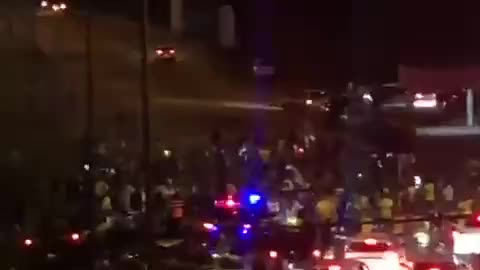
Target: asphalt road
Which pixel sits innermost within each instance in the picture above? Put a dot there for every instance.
(188, 97)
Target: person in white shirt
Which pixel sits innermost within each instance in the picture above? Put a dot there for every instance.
(448, 196)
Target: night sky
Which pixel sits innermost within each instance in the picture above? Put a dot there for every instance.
(320, 42)
(330, 42)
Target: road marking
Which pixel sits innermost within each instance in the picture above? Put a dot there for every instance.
(245, 105)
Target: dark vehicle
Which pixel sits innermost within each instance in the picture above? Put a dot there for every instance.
(286, 247)
(54, 246)
(230, 227)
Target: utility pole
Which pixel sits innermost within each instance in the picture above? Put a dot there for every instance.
(89, 114)
(145, 111)
(89, 80)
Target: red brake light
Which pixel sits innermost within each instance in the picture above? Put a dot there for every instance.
(334, 267)
(159, 52)
(229, 203)
(28, 242)
(172, 51)
(273, 254)
(477, 218)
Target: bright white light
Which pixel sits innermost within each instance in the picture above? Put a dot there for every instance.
(63, 6)
(316, 253)
(273, 254)
(28, 242)
(55, 7)
(370, 241)
(418, 181)
(167, 153)
(425, 103)
(359, 175)
(419, 96)
(367, 98)
(75, 236)
(423, 239)
(308, 102)
(171, 51)
(44, 4)
(86, 167)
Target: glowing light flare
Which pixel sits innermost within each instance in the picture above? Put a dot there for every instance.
(254, 198)
(75, 236)
(209, 226)
(171, 51)
(28, 242)
(316, 253)
(44, 4)
(334, 267)
(159, 52)
(273, 254)
(308, 102)
(425, 103)
(370, 242)
(63, 6)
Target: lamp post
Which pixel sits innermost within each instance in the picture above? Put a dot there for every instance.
(145, 109)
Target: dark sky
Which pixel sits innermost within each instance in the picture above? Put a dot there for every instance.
(328, 42)
(321, 42)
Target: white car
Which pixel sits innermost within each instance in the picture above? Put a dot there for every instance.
(377, 251)
(466, 240)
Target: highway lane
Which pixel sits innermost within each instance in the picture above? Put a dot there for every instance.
(186, 96)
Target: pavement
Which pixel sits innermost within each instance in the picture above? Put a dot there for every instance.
(187, 97)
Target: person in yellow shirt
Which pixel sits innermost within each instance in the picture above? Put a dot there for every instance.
(430, 195)
(326, 209)
(385, 205)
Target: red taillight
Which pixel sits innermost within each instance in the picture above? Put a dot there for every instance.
(434, 268)
(28, 242)
(477, 218)
(334, 267)
(316, 253)
(171, 51)
(75, 236)
(229, 203)
(159, 52)
(273, 254)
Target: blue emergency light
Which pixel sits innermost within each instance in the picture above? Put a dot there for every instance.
(254, 198)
